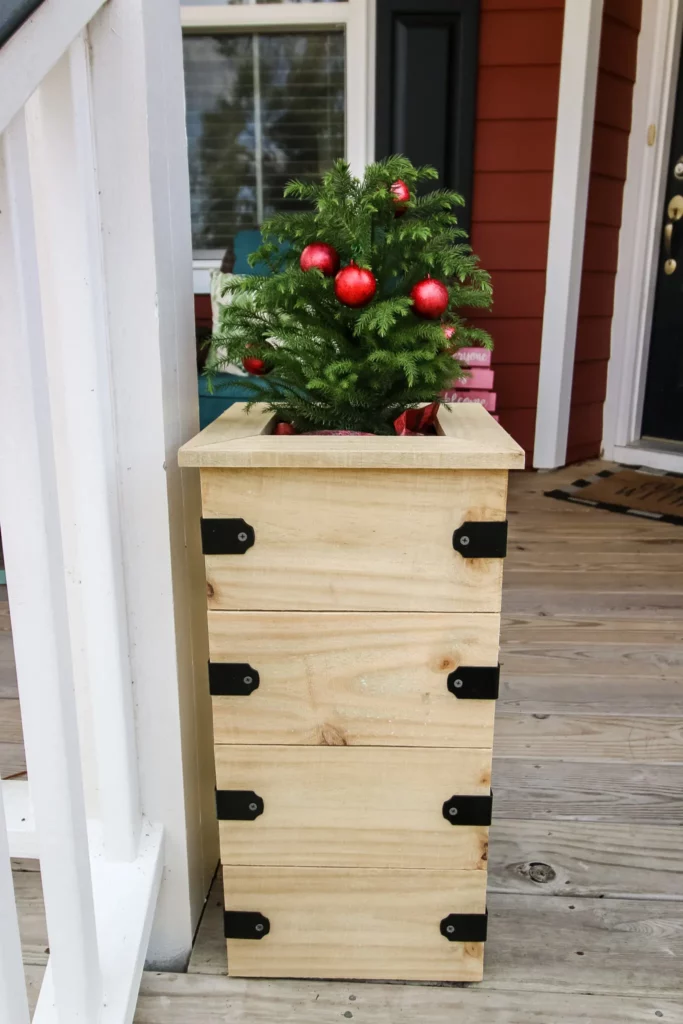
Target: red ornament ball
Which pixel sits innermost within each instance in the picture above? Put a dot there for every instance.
(355, 286)
(284, 428)
(255, 366)
(430, 298)
(320, 256)
(401, 195)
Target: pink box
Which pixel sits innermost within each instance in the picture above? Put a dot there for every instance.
(473, 356)
(479, 379)
(485, 398)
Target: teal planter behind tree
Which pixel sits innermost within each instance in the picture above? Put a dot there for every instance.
(211, 405)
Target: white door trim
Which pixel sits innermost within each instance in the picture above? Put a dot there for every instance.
(571, 172)
(653, 105)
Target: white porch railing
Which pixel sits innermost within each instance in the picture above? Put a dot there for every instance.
(97, 389)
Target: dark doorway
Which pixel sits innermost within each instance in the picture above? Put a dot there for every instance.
(426, 86)
(663, 407)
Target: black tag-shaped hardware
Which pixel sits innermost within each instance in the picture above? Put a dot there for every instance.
(238, 805)
(475, 682)
(226, 536)
(468, 810)
(232, 679)
(482, 540)
(245, 924)
(465, 927)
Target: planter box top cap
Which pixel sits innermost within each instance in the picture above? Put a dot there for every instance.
(467, 438)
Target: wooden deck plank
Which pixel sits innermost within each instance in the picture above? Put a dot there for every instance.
(547, 790)
(601, 859)
(178, 999)
(590, 737)
(595, 695)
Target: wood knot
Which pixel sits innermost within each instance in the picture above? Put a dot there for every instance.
(331, 736)
(538, 872)
(447, 665)
(209, 590)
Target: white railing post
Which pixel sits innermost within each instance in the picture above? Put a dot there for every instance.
(141, 149)
(74, 300)
(13, 1001)
(33, 556)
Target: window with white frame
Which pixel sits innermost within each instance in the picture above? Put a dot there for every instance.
(269, 97)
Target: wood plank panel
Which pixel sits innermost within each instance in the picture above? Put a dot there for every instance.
(353, 807)
(543, 789)
(329, 540)
(353, 678)
(375, 924)
(577, 859)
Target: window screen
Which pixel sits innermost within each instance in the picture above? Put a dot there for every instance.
(261, 109)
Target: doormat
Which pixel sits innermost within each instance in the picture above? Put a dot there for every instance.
(647, 493)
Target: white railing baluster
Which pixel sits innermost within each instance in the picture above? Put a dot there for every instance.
(33, 555)
(13, 1001)
(72, 280)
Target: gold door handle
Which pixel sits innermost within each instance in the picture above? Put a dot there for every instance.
(674, 212)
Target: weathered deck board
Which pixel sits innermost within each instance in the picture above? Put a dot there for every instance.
(601, 859)
(546, 790)
(173, 999)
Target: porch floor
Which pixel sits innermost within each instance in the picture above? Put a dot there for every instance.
(586, 868)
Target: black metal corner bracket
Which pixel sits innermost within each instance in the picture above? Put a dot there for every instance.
(475, 682)
(238, 805)
(232, 679)
(465, 927)
(227, 536)
(245, 924)
(482, 540)
(469, 810)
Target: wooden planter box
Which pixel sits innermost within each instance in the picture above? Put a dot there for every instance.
(354, 588)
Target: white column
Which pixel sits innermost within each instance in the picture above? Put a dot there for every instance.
(571, 170)
(141, 150)
(359, 88)
(13, 1001)
(74, 298)
(33, 555)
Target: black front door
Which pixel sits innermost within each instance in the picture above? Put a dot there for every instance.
(663, 409)
(426, 87)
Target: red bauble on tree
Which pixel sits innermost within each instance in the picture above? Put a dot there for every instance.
(255, 366)
(355, 286)
(284, 428)
(430, 298)
(401, 195)
(320, 256)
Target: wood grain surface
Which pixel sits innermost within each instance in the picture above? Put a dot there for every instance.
(354, 806)
(353, 678)
(352, 540)
(340, 922)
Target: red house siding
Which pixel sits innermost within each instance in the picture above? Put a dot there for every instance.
(616, 75)
(519, 74)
